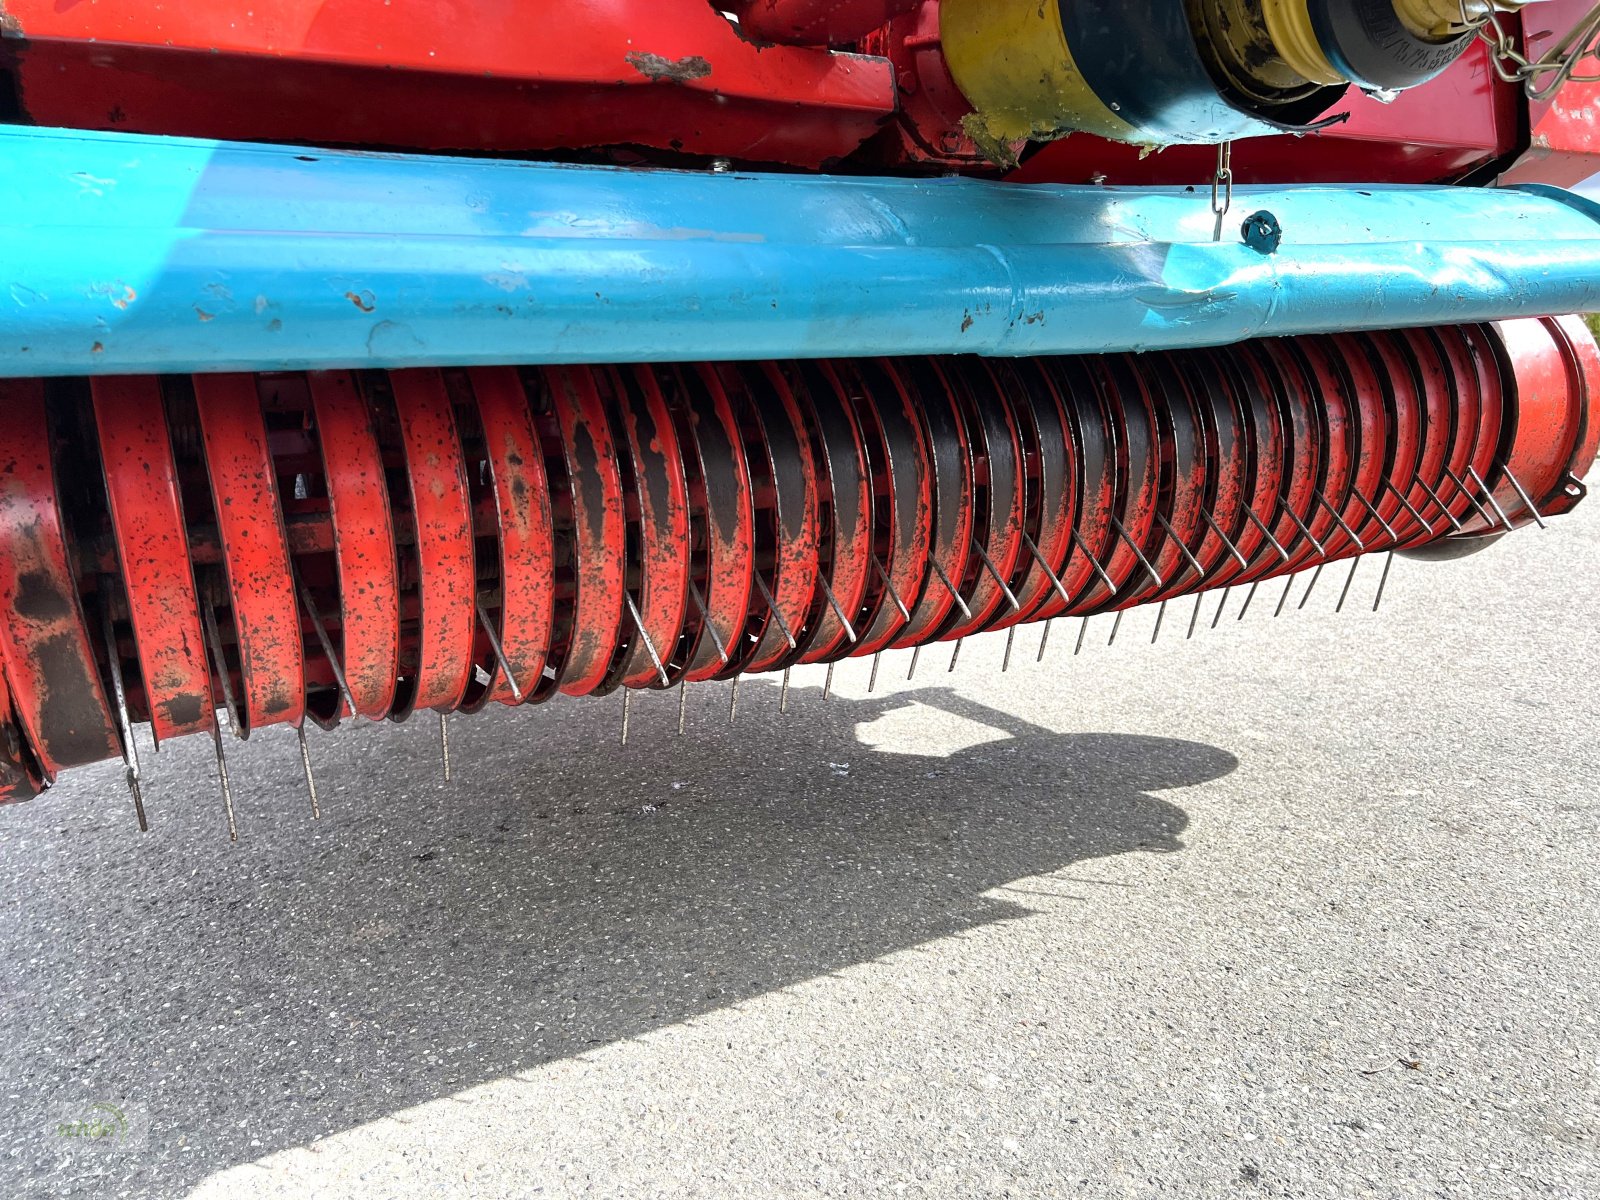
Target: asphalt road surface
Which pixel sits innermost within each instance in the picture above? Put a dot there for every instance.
(1303, 907)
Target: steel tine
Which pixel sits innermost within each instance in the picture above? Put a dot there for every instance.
(1394, 538)
(1094, 562)
(1467, 492)
(220, 664)
(499, 654)
(1527, 502)
(955, 656)
(838, 609)
(1011, 599)
(1221, 606)
(1239, 558)
(649, 646)
(1388, 562)
(1440, 504)
(326, 642)
(711, 628)
(772, 607)
(1194, 563)
(1055, 582)
(209, 612)
(130, 751)
(888, 585)
(783, 699)
(1011, 640)
(827, 684)
(444, 745)
(1083, 632)
(627, 710)
(966, 612)
(1288, 586)
(1315, 577)
(1355, 564)
(1355, 538)
(1305, 531)
(1249, 596)
(311, 780)
(1489, 496)
(733, 702)
(1044, 640)
(1194, 617)
(683, 706)
(1116, 626)
(872, 680)
(1267, 533)
(1406, 504)
(1144, 562)
(916, 657)
(1194, 567)
(222, 778)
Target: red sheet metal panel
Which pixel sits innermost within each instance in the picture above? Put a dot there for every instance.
(674, 75)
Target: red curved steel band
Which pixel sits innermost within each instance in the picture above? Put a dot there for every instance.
(1585, 355)
(1550, 411)
(1303, 442)
(442, 518)
(526, 527)
(49, 661)
(794, 586)
(1440, 417)
(363, 542)
(903, 475)
(244, 489)
(1340, 424)
(1058, 455)
(153, 548)
(730, 521)
(1405, 435)
(1003, 472)
(951, 478)
(851, 507)
(1097, 487)
(1467, 392)
(600, 528)
(663, 526)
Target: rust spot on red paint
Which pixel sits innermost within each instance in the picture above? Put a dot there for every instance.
(658, 69)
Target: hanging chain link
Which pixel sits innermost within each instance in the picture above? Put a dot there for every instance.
(1544, 76)
(1222, 186)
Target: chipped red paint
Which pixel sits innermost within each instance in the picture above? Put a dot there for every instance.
(363, 542)
(244, 491)
(599, 528)
(663, 493)
(146, 509)
(47, 650)
(446, 569)
(729, 515)
(527, 539)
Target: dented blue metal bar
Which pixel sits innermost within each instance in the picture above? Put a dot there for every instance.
(139, 254)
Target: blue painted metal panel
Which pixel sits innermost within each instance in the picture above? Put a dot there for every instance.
(137, 254)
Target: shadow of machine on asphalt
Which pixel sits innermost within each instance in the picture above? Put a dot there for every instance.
(563, 894)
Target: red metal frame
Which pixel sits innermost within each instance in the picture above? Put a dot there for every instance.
(672, 75)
